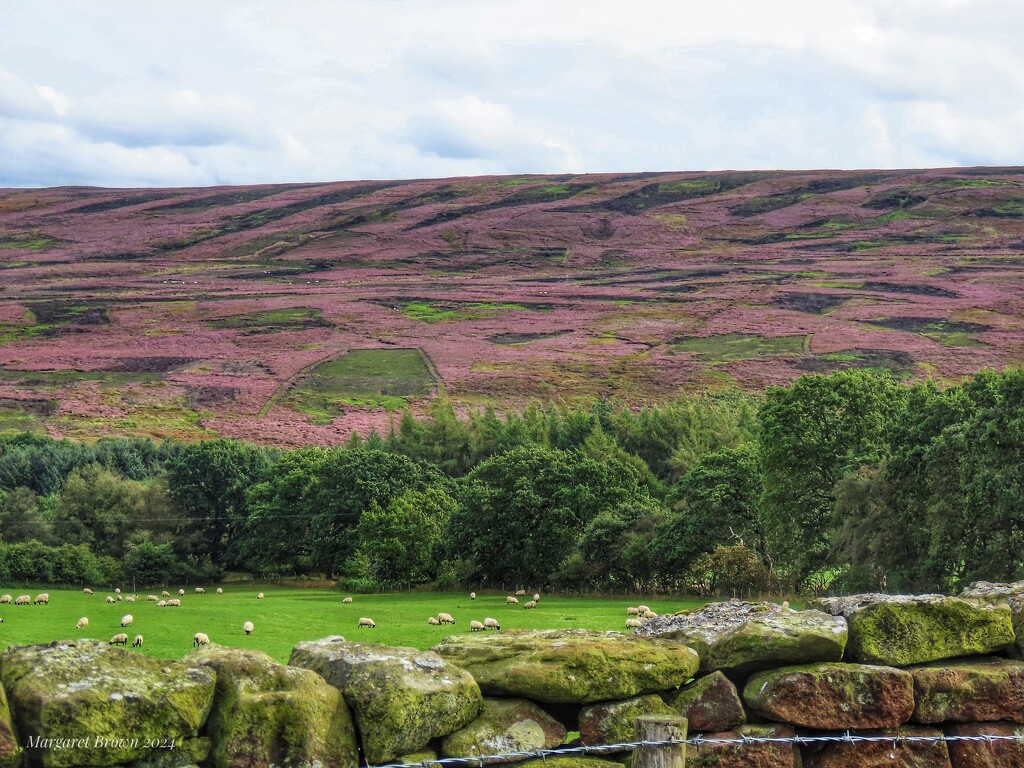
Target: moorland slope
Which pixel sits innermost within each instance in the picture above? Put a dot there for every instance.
(236, 310)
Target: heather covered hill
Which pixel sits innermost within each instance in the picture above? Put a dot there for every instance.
(296, 313)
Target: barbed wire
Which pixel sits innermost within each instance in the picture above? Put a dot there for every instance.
(847, 737)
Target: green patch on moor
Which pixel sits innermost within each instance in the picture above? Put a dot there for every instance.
(274, 320)
(739, 346)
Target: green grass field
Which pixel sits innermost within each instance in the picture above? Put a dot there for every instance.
(287, 616)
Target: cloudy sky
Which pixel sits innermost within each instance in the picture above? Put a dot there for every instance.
(200, 92)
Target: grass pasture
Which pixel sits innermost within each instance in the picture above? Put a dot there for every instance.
(287, 616)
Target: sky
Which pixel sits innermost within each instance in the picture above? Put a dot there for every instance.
(122, 93)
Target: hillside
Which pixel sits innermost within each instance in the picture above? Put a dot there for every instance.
(235, 310)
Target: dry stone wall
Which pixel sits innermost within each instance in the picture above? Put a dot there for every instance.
(892, 666)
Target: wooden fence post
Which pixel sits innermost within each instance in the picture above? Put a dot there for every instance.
(660, 728)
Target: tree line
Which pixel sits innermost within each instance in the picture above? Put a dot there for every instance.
(849, 481)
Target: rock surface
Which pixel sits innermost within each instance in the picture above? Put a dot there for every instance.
(266, 713)
(614, 722)
(710, 703)
(570, 666)
(105, 702)
(833, 696)
(505, 725)
(750, 755)
(401, 698)
(741, 637)
(901, 630)
(10, 752)
(883, 754)
(986, 754)
(969, 690)
(1012, 595)
(570, 762)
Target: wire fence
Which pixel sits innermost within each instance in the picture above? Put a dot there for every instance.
(896, 740)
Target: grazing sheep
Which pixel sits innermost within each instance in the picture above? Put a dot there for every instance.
(119, 598)
(23, 600)
(175, 603)
(531, 604)
(130, 599)
(634, 623)
(165, 593)
(445, 618)
(511, 601)
(110, 599)
(43, 598)
(260, 596)
(127, 619)
(433, 622)
(472, 595)
(181, 593)
(649, 615)
(520, 593)
(6, 598)
(642, 609)
(536, 597)
(200, 638)
(346, 601)
(200, 591)
(785, 605)
(492, 624)
(152, 598)
(220, 591)
(121, 638)
(161, 604)
(87, 591)
(365, 622)
(82, 623)
(137, 641)
(117, 590)
(476, 626)
(631, 611)
(248, 627)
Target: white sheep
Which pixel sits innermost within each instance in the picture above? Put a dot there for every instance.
(433, 622)
(492, 624)
(127, 619)
(476, 626)
(631, 611)
(259, 596)
(536, 597)
(649, 615)
(634, 623)
(87, 591)
(152, 599)
(200, 591)
(43, 598)
(530, 604)
(120, 598)
(365, 622)
(346, 601)
(130, 599)
(82, 623)
(23, 600)
(520, 593)
(200, 638)
(161, 604)
(165, 593)
(642, 609)
(120, 638)
(174, 603)
(137, 642)
(248, 627)
(472, 595)
(117, 590)
(445, 618)
(511, 600)
(6, 599)
(181, 593)
(220, 591)
(110, 599)
(785, 605)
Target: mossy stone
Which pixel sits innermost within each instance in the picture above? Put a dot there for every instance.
(505, 725)
(901, 630)
(187, 753)
(570, 762)
(570, 666)
(830, 696)
(614, 722)
(10, 752)
(401, 698)
(104, 702)
(749, 755)
(1004, 751)
(970, 690)
(265, 713)
(710, 703)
